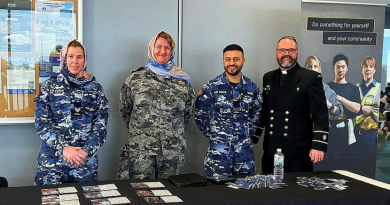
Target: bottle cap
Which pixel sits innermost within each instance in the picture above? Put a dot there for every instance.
(279, 150)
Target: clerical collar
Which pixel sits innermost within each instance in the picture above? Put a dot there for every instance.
(285, 71)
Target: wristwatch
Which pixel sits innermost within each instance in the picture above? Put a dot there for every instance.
(331, 108)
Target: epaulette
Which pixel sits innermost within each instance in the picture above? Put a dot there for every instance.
(137, 69)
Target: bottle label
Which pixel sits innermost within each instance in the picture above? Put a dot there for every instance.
(279, 160)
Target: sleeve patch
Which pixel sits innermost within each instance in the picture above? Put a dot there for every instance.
(200, 92)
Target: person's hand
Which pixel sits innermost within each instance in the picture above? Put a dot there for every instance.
(367, 110)
(72, 156)
(82, 154)
(328, 104)
(316, 155)
(340, 98)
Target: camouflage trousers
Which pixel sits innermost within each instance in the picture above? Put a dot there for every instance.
(58, 171)
(224, 160)
(141, 166)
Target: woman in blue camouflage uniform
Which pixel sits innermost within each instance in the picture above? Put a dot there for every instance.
(156, 103)
(71, 116)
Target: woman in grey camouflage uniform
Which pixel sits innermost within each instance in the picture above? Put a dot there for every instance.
(156, 103)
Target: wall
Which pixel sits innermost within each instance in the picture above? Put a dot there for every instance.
(116, 34)
(115, 49)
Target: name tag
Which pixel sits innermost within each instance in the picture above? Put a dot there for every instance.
(236, 106)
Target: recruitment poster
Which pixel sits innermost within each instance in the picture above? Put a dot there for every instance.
(15, 30)
(345, 40)
(21, 75)
(55, 25)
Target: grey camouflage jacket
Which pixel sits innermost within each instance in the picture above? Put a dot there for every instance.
(156, 110)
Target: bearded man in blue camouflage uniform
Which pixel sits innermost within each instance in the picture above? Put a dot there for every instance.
(71, 119)
(227, 112)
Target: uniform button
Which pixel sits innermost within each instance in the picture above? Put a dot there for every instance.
(270, 132)
(285, 134)
(272, 111)
(286, 119)
(272, 118)
(287, 112)
(271, 125)
(285, 127)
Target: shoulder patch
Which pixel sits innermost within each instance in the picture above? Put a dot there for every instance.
(319, 76)
(137, 69)
(39, 92)
(200, 92)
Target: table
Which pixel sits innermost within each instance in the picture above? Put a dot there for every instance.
(361, 191)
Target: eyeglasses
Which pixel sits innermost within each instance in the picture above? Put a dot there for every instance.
(289, 50)
(162, 47)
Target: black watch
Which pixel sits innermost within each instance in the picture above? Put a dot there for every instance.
(331, 108)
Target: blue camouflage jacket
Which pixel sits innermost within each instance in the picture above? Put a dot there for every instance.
(214, 112)
(55, 120)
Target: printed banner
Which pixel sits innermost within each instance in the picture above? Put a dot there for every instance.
(344, 42)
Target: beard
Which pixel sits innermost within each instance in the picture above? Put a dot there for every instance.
(234, 73)
(286, 64)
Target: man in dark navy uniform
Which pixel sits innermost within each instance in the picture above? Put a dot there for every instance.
(294, 115)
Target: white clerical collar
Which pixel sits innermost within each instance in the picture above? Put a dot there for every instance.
(285, 71)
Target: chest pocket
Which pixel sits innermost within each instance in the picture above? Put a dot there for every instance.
(144, 96)
(90, 101)
(247, 101)
(59, 103)
(178, 98)
(222, 105)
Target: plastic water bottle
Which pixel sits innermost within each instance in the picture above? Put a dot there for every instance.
(279, 164)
